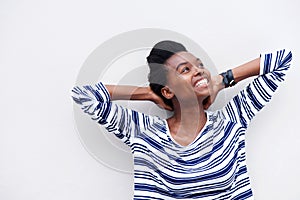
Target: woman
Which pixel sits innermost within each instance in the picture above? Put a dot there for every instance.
(194, 154)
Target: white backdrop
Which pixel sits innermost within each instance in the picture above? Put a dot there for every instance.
(43, 45)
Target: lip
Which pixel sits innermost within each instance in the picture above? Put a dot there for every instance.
(199, 79)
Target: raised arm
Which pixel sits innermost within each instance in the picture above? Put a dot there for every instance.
(239, 73)
(273, 68)
(246, 70)
(124, 92)
(95, 100)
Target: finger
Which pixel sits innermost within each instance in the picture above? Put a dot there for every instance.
(166, 107)
(169, 108)
(207, 104)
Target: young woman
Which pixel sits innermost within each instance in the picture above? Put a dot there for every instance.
(194, 154)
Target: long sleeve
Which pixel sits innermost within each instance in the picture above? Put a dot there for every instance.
(244, 106)
(95, 101)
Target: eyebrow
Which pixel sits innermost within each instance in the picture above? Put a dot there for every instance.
(184, 63)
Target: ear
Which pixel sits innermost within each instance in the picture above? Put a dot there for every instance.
(167, 92)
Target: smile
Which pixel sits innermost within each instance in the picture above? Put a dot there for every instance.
(202, 82)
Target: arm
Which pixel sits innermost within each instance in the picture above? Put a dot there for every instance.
(95, 101)
(124, 92)
(248, 102)
(246, 70)
(240, 73)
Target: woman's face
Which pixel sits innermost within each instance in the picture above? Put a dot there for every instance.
(187, 78)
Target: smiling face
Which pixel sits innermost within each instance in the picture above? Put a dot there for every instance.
(187, 78)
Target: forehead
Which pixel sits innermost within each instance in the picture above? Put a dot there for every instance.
(181, 57)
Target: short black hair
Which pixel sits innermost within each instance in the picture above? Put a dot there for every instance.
(157, 77)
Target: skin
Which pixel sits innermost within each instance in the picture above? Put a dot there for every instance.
(190, 102)
(184, 70)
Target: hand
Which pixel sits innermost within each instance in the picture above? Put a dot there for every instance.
(215, 88)
(159, 101)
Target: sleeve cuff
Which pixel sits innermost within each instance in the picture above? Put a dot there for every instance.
(269, 61)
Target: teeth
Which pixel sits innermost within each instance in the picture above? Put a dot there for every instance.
(201, 82)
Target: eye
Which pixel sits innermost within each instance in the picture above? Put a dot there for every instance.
(185, 69)
(201, 65)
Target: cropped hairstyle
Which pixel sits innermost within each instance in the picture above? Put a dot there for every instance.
(157, 77)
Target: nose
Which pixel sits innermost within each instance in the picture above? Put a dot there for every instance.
(197, 71)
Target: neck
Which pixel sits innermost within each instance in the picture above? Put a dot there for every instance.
(187, 121)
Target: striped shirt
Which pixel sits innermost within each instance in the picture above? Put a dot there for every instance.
(213, 166)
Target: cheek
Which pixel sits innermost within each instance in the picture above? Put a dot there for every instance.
(182, 87)
(179, 81)
(207, 72)
(177, 85)
(173, 79)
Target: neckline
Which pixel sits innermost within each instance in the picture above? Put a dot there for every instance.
(168, 132)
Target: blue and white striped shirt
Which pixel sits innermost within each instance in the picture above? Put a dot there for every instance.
(213, 166)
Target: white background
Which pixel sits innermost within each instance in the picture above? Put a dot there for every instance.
(43, 45)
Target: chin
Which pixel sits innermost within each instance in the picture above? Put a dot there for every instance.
(201, 97)
(204, 92)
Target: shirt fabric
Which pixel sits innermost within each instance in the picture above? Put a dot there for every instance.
(213, 166)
